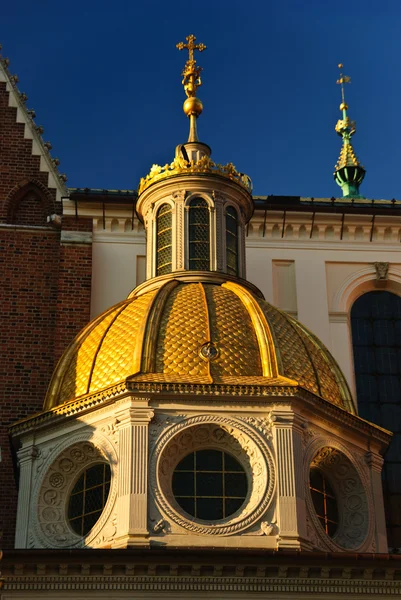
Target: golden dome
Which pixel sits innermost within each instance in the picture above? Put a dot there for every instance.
(210, 332)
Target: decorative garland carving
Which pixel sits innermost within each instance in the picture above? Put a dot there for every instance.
(160, 422)
(230, 435)
(50, 497)
(262, 424)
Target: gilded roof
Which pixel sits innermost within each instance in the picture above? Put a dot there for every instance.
(158, 336)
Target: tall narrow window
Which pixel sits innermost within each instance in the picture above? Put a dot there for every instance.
(164, 251)
(376, 338)
(199, 235)
(232, 241)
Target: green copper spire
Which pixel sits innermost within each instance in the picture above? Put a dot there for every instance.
(349, 172)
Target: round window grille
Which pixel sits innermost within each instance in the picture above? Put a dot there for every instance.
(88, 498)
(325, 501)
(210, 485)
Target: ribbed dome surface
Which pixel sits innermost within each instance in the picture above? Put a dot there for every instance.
(158, 336)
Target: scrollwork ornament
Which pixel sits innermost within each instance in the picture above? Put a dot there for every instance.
(160, 422)
(43, 455)
(262, 424)
(110, 430)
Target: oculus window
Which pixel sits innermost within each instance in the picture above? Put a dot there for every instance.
(88, 498)
(324, 501)
(210, 485)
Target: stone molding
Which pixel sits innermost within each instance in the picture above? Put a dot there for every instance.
(364, 576)
(226, 433)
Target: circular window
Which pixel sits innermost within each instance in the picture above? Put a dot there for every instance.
(88, 498)
(324, 501)
(337, 499)
(210, 484)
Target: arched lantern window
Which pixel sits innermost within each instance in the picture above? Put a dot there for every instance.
(376, 340)
(199, 235)
(164, 240)
(232, 241)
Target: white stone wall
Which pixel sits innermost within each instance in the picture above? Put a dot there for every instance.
(315, 278)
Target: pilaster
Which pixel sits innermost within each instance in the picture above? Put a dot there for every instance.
(150, 232)
(133, 419)
(26, 456)
(221, 266)
(179, 200)
(291, 510)
(375, 464)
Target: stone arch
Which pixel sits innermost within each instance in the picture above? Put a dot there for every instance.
(353, 288)
(359, 283)
(29, 203)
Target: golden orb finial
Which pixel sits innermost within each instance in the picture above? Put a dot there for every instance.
(191, 81)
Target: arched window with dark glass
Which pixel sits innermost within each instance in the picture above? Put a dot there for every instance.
(376, 339)
(164, 241)
(199, 235)
(232, 241)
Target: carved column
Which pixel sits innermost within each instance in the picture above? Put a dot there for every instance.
(291, 510)
(219, 258)
(133, 424)
(180, 236)
(149, 228)
(26, 457)
(375, 464)
(241, 248)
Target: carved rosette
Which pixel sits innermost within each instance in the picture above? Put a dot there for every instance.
(221, 433)
(50, 522)
(350, 485)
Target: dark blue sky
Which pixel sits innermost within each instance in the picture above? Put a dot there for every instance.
(105, 81)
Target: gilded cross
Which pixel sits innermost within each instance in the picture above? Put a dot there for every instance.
(191, 46)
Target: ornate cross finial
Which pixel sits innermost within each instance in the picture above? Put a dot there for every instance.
(343, 79)
(191, 73)
(191, 46)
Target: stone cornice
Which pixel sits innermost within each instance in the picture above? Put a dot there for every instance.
(203, 394)
(206, 569)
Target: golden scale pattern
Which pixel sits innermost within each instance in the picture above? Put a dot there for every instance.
(330, 390)
(182, 332)
(233, 334)
(114, 361)
(112, 340)
(295, 359)
(78, 371)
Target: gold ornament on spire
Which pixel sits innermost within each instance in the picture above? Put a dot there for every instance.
(191, 80)
(343, 80)
(345, 124)
(348, 172)
(191, 72)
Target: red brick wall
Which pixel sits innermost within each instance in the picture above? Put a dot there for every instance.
(44, 293)
(29, 209)
(17, 165)
(28, 294)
